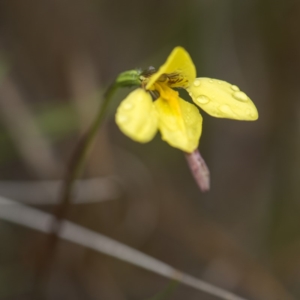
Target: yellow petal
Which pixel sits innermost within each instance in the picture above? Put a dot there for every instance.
(136, 116)
(222, 99)
(180, 123)
(180, 65)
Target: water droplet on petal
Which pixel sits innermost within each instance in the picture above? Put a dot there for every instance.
(250, 113)
(225, 109)
(193, 132)
(235, 88)
(215, 113)
(197, 82)
(187, 118)
(122, 119)
(241, 96)
(128, 106)
(202, 99)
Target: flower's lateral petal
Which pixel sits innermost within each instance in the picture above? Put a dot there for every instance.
(137, 117)
(179, 65)
(222, 99)
(180, 123)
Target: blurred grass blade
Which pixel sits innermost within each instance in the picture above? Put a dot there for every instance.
(20, 214)
(44, 192)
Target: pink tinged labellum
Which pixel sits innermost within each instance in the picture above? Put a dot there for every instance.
(199, 170)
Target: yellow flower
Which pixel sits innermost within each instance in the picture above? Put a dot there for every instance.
(180, 123)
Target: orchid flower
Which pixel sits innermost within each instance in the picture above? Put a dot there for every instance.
(156, 104)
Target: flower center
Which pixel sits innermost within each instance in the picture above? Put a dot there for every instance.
(165, 91)
(169, 95)
(175, 79)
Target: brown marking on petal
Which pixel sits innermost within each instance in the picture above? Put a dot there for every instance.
(173, 79)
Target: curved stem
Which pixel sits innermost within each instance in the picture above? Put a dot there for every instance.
(79, 157)
(126, 79)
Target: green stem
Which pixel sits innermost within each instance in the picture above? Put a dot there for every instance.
(74, 170)
(125, 79)
(79, 157)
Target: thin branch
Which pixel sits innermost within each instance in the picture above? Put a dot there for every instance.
(41, 221)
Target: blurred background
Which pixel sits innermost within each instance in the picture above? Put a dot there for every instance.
(56, 59)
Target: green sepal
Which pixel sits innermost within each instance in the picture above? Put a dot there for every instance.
(129, 78)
